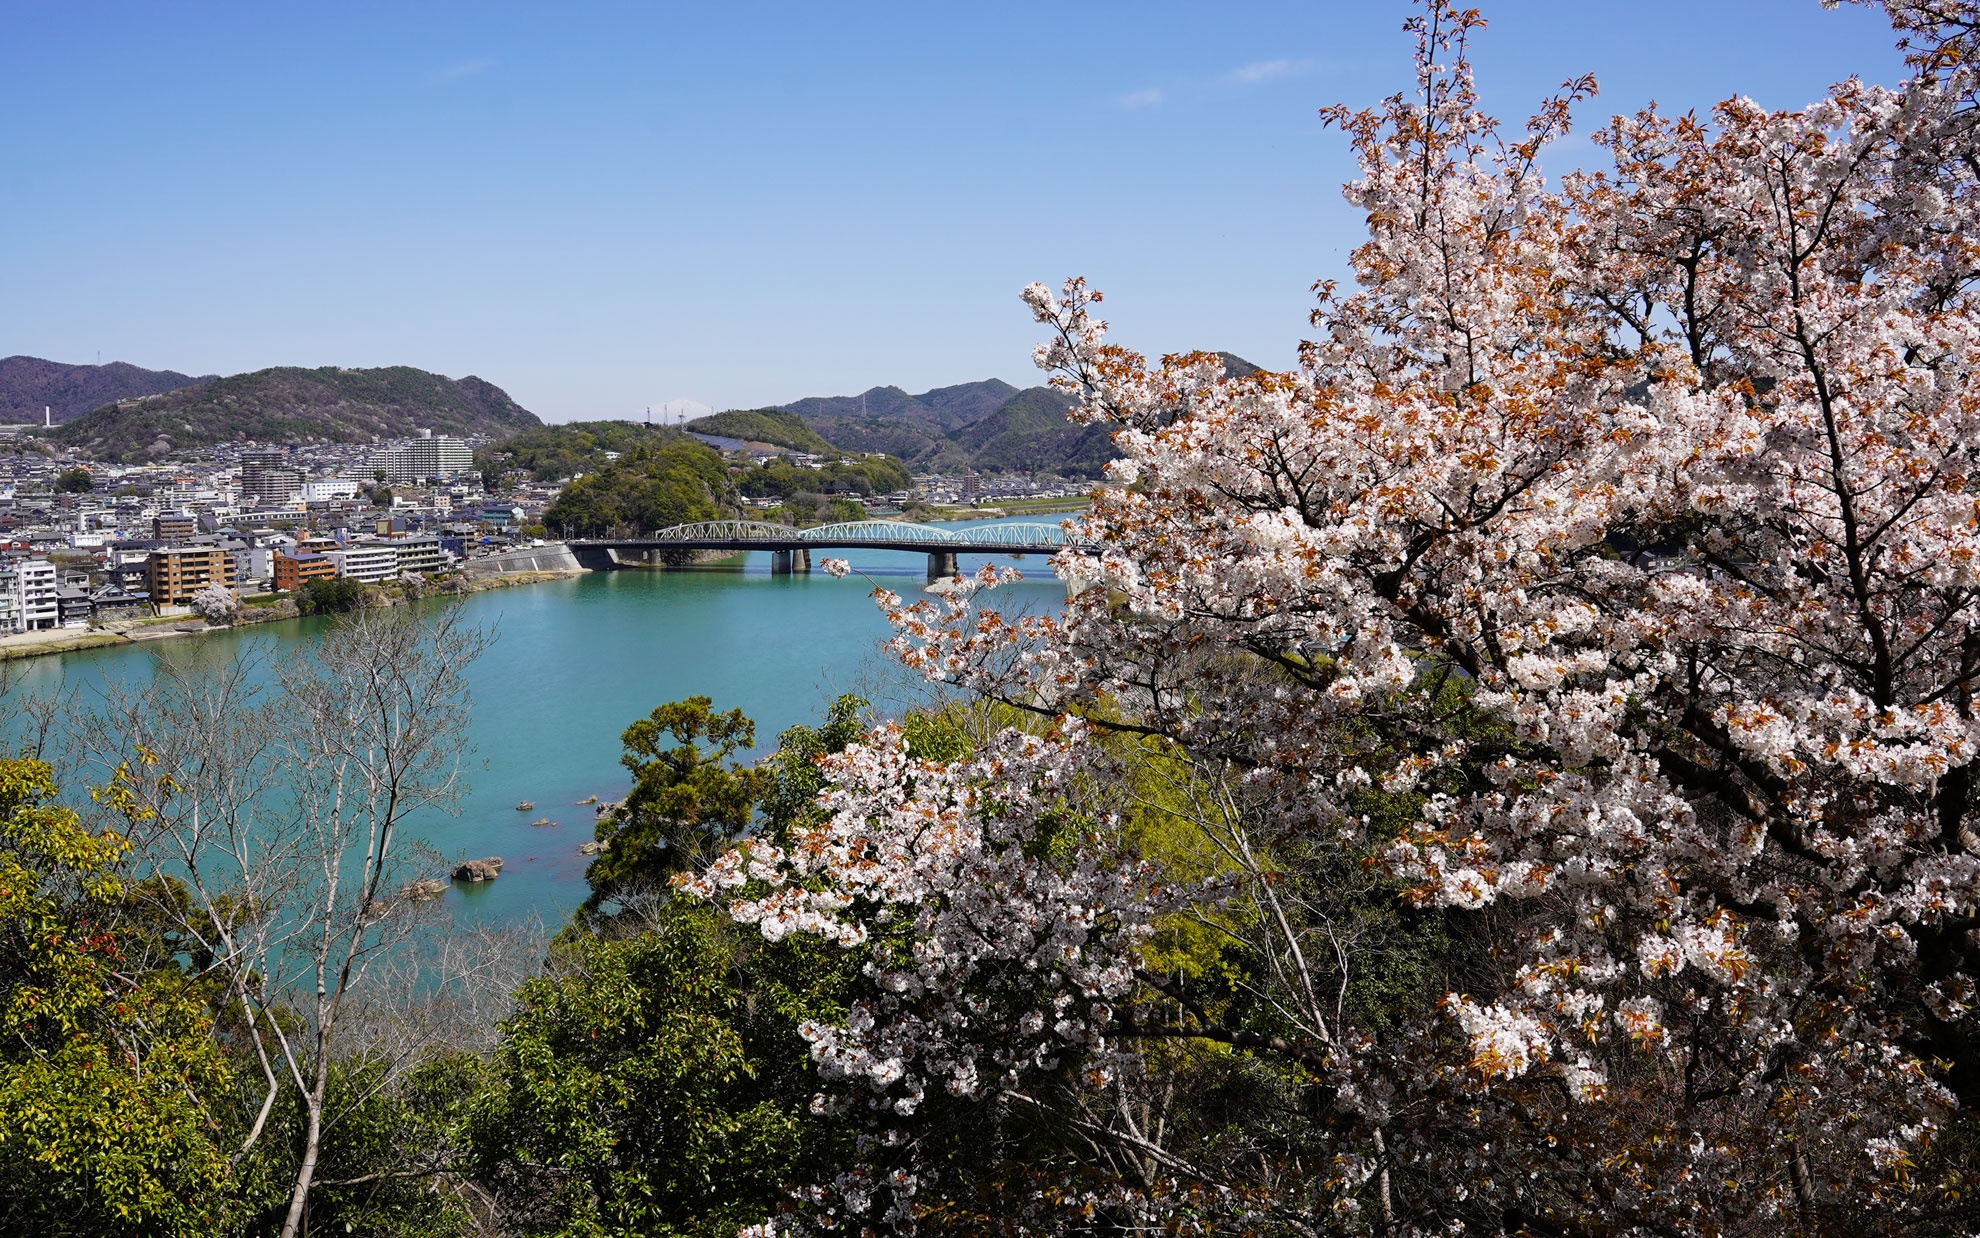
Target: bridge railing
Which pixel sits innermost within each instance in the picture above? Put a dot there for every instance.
(900, 532)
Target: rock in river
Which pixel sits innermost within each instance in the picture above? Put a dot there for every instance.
(479, 870)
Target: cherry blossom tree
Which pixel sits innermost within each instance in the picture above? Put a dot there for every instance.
(1607, 579)
(216, 603)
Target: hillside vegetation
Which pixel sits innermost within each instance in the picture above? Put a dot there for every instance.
(676, 480)
(546, 453)
(762, 425)
(30, 384)
(287, 404)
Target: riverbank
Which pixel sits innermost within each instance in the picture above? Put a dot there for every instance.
(1014, 509)
(262, 609)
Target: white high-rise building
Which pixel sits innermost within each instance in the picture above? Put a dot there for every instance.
(427, 458)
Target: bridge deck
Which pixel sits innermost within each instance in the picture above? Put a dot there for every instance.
(798, 543)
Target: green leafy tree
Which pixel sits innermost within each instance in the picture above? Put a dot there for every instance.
(330, 597)
(75, 481)
(795, 778)
(689, 800)
(109, 1075)
(655, 1084)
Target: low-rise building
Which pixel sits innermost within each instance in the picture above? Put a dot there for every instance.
(75, 606)
(366, 562)
(329, 490)
(291, 571)
(419, 552)
(117, 602)
(171, 527)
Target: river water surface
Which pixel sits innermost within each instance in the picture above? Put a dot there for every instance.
(577, 660)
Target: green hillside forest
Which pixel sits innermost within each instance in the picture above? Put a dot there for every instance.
(288, 404)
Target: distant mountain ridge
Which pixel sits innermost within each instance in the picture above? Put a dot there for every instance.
(290, 404)
(30, 384)
(990, 426)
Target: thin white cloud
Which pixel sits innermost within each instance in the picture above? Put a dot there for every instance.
(1141, 98)
(455, 72)
(1259, 72)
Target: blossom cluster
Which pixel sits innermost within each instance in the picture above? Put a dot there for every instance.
(1666, 473)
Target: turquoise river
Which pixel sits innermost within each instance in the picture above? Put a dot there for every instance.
(576, 660)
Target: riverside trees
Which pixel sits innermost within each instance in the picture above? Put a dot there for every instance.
(270, 835)
(1603, 588)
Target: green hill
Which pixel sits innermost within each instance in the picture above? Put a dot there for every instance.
(1030, 434)
(546, 453)
(762, 425)
(288, 404)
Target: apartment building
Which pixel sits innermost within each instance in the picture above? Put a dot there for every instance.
(418, 552)
(267, 480)
(291, 571)
(37, 606)
(172, 575)
(367, 562)
(173, 526)
(427, 458)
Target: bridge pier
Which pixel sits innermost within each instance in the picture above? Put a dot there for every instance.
(786, 562)
(942, 564)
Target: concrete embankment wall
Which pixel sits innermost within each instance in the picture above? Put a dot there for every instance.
(554, 557)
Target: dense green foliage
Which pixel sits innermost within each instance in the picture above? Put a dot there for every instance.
(806, 510)
(287, 404)
(548, 453)
(762, 425)
(689, 800)
(867, 475)
(105, 1049)
(654, 1083)
(674, 482)
(329, 597)
(75, 481)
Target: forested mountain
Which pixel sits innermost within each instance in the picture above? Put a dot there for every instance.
(290, 404)
(988, 425)
(30, 384)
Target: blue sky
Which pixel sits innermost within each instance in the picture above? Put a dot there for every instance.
(601, 207)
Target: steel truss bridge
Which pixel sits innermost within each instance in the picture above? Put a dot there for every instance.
(791, 548)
